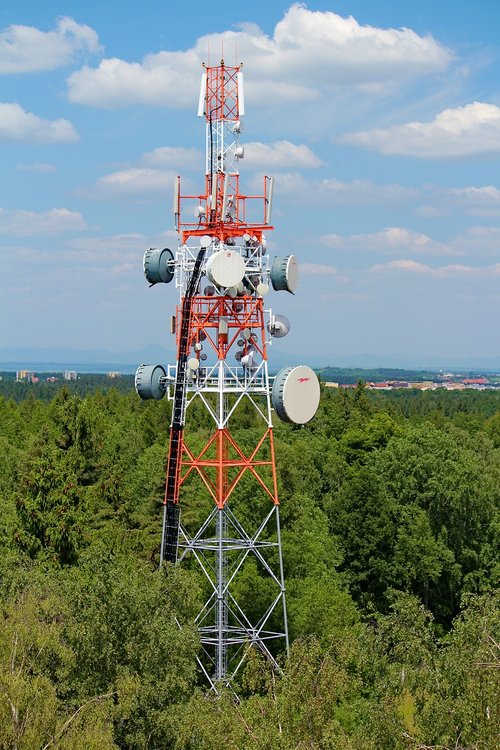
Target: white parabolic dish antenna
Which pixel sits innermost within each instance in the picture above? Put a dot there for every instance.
(295, 394)
(225, 268)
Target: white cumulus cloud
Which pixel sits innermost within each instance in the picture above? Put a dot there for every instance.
(317, 269)
(414, 267)
(167, 79)
(26, 49)
(364, 192)
(55, 221)
(389, 240)
(469, 201)
(128, 247)
(464, 131)
(16, 124)
(174, 157)
(113, 246)
(280, 155)
(136, 181)
(310, 53)
(330, 191)
(153, 175)
(411, 266)
(478, 241)
(477, 201)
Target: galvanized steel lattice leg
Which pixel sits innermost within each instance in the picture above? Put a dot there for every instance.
(226, 630)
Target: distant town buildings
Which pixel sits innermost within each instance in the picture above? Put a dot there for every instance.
(458, 384)
(26, 376)
(448, 381)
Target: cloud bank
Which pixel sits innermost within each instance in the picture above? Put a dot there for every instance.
(25, 49)
(389, 240)
(16, 124)
(280, 155)
(464, 131)
(310, 52)
(136, 181)
(55, 221)
(454, 270)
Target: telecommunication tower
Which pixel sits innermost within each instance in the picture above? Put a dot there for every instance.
(223, 331)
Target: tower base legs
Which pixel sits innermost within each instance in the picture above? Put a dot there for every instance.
(222, 547)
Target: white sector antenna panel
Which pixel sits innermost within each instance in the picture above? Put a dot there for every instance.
(295, 394)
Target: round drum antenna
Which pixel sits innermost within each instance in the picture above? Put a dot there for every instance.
(295, 394)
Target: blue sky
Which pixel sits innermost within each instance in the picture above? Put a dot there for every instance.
(380, 122)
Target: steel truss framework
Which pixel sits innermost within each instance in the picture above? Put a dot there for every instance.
(224, 324)
(221, 546)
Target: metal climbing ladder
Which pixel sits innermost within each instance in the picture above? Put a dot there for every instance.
(171, 516)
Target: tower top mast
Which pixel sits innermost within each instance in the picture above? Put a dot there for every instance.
(222, 211)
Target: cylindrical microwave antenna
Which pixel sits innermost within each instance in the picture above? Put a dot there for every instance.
(295, 394)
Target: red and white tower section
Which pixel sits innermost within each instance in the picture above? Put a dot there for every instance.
(224, 329)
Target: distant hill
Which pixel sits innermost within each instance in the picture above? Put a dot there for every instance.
(48, 359)
(51, 359)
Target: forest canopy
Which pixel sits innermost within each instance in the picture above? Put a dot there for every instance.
(389, 508)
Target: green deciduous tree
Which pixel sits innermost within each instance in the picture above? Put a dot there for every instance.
(50, 508)
(456, 487)
(127, 639)
(34, 659)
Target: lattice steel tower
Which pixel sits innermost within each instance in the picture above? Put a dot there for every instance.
(223, 331)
